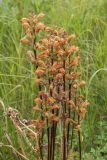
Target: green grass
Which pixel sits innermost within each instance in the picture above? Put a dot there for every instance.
(88, 19)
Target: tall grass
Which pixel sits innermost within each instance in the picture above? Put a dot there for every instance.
(88, 19)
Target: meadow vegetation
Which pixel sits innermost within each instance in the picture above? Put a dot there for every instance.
(88, 20)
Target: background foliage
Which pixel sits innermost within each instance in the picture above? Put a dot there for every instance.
(88, 19)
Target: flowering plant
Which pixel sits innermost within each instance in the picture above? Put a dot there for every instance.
(59, 103)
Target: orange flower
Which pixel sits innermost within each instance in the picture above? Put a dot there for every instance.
(38, 123)
(72, 104)
(71, 49)
(62, 70)
(43, 54)
(80, 97)
(62, 41)
(73, 75)
(83, 110)
(75, 61)
(29, 31)
(41, 63)
(55, 32)
(40, 81)
(40, 72)
(41, 93)
(38, 100)
(55, 106)
(51, 100)
(54, 118)
(59, 75)
(25, 20)
(25, 25)
(56, 44)
(56, 38)
(75, 86)
(39, 47)
(25, 40)
(48, 29)
(38, 109)
(72, 36)
(85, 104)
(61, 30)
(53, 67)
(60, 52)
(44, 41)
(68, 76)
(40, 15)
(40, 26)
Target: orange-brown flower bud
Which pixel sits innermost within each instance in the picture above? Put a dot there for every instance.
(61, 52)
(29, 31)
(54, 118)
(51, 100)
(42, 55)
(75, 86)
(72, 36)
(75, 61)
(39, 47)
(55, 106)
(73, 75)
(71, 49)
(38, 100)
(62, 41)
(56, 45)
(53, 67)
(40, 63)
(61, 30)
(59, 75)
(62, 70)
(44, 41)
(25, 40)
(72, 104)
(83, 110)
(40, 26)
(85, 104)
(48, 29)
(40, 15)
(25, 25)
(25, 20)
(38, 109)
(40, 81)
(40, 72)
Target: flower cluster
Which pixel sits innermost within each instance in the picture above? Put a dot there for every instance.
(59, 101)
